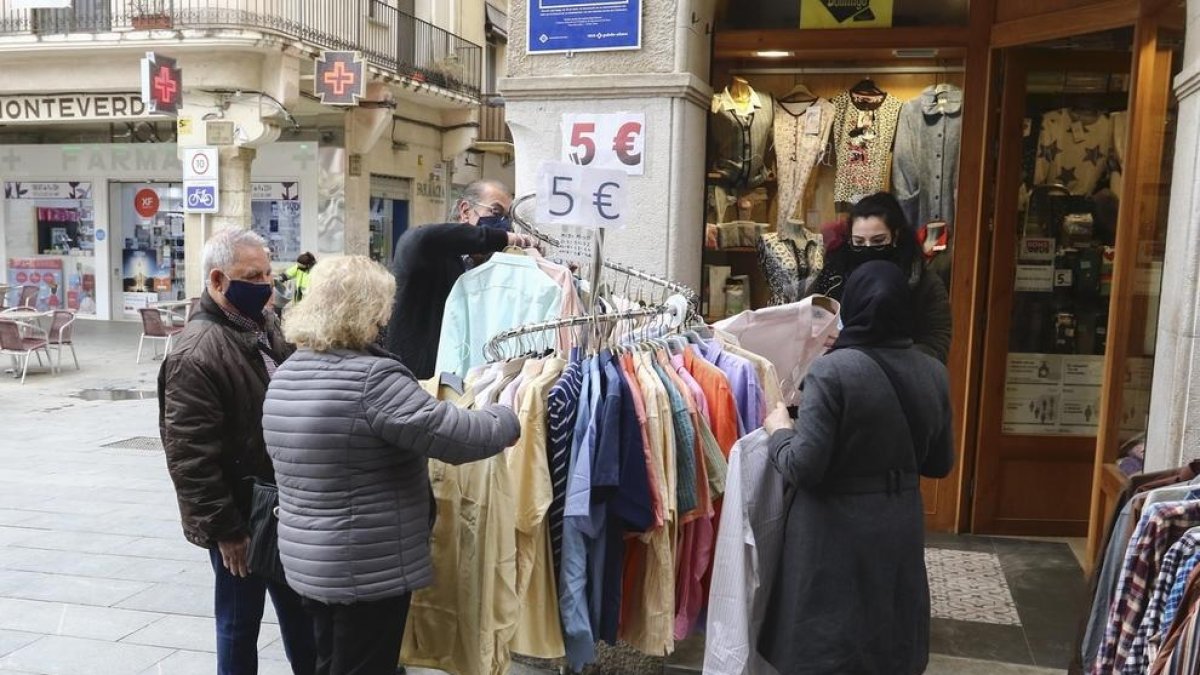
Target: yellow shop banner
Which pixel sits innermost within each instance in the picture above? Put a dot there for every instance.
(846, 13)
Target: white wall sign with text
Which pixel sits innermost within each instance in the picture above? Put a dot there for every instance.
(41, 108)
(569, 194)
(608, 141)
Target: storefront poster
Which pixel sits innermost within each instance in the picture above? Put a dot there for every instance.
(45, 273)
(584, 25)
(284, 190)
(1052, 394)
(47, 190)
(846, 13)
(141, 271)
(1034, 279)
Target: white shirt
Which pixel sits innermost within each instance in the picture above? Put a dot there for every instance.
(749, 544)
(789, 336)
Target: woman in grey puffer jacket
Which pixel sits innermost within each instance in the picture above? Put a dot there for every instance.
(349, 431)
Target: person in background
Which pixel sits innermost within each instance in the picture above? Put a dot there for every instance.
(878, 230)
(350, 431)
(430, 259)
(211, 389)
(851, 594)
(298, 275)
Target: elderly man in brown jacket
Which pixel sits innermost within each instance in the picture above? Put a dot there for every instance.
(211, 390)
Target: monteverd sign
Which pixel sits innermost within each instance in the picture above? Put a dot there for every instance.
(40, 108)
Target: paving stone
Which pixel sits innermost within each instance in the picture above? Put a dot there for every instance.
(11, 640)
(74, 590)
(56, 618)
(172, 599)
(55, 655)
(190, 633)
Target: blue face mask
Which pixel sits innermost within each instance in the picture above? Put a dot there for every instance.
(247, 298)
(493, 222)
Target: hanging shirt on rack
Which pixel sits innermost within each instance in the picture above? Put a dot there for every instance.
(539, 629)
(1160, 526)
(562, 409)
(789, 336)
(925, 160)
(1180, 653)
(801, 137)
(863, 136)
(743, 383)
(1147, 640)
(464, 622)
(503, 293)
(578, 527)
(747, 555)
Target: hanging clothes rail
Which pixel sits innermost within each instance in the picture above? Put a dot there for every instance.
(494, 351)
(531, 229)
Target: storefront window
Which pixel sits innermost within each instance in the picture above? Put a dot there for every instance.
(1075, 140)
(790, 153)
(767, 14)
(389, 214)
(275, 213)
(148, 224)
(50, 242)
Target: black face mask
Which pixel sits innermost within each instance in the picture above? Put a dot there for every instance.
(860, 255)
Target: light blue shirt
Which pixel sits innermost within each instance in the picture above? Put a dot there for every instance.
(503, 293)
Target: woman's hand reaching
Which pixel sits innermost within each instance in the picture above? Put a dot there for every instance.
(778, 420)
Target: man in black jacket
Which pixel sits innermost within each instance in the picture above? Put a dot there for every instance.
(430, 259)
(211, 390)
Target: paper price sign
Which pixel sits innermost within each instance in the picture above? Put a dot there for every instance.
(613, 141)
(569, 194)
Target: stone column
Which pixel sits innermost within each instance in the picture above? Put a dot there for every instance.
(667, 80)
(234, 188)
(1174, 433)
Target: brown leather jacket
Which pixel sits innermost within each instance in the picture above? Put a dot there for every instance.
(211, 389)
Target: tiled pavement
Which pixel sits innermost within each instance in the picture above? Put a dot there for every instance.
(95, 576)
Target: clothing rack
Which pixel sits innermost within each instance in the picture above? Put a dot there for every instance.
(628, 271)
(494, 352)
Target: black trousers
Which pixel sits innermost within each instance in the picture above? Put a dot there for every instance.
(361, 638)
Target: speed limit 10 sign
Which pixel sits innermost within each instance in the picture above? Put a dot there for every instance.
(605, 141)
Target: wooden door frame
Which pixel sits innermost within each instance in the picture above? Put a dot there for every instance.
(993, 446)
(1150, 86)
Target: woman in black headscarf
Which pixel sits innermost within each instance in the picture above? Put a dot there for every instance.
(878, 230)
(852, 595)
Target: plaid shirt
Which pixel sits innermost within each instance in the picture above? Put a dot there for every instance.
(1152, 631)
(260, 334)
(1175, 597)
(1161, 525)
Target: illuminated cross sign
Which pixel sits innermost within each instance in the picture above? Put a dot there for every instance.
(340, 78)
(162, 84)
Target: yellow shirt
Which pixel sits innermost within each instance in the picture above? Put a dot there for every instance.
(464, 622)
(539, 629)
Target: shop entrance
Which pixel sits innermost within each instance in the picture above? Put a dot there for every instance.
(389, 215)
(146, 225)
(1083, 177)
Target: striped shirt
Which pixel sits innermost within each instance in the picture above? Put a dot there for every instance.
(1160, 526)
(560, 425)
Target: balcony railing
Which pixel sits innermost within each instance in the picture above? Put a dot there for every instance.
(387, 36)
(493, 128)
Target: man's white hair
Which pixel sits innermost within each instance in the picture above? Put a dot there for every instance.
(221, 250)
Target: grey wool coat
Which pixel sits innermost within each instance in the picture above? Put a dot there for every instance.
(350, 434)
(851, 595)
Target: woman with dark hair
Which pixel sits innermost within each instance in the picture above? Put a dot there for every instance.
(879, 231)
(851, 594)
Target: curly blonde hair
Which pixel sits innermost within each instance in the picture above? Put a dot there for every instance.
(348, 299)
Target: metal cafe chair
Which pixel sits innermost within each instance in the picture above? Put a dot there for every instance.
(155, 327)
(60, 335)
(21, 348)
